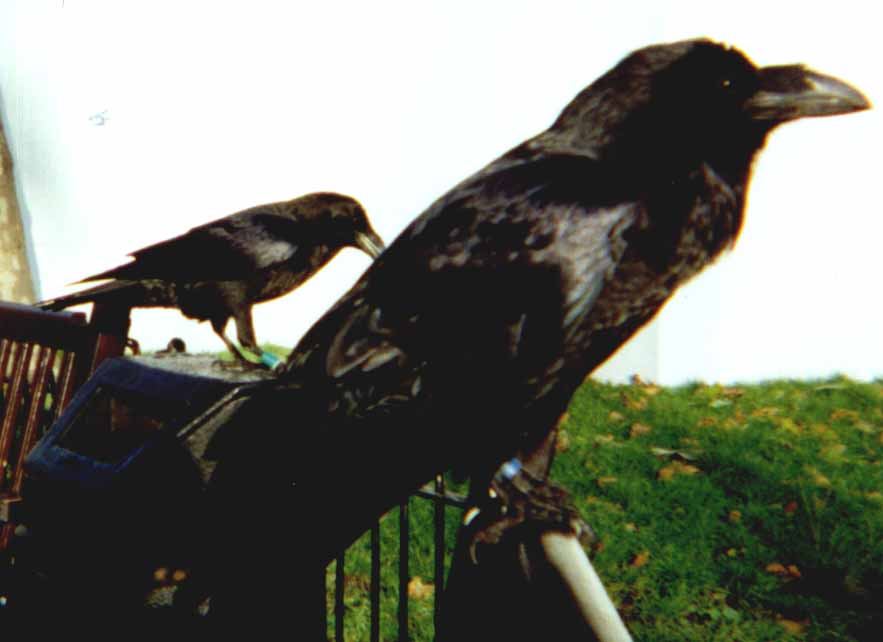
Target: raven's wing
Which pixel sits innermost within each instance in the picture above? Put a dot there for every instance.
(233, 247)
(492, 277)
(446, 349)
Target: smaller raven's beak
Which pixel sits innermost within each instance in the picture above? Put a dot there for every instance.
(370, 243)
(788, 92)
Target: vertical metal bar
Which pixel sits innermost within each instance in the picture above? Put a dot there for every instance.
(34, 419)
(338, 596)
(8, 422)
(375, 582)
(66, 381)
(439, 579)
(14, 399)
(5, 351)
(403, 571)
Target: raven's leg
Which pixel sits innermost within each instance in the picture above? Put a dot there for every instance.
(219, 324)
(247, 339)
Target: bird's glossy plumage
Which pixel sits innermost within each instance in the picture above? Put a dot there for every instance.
(463, 343)
(219, 270)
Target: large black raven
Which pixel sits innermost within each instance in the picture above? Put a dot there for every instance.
(219, 270)
(463, 343)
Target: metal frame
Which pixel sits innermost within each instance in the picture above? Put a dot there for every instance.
(441, 499)
(44, 357)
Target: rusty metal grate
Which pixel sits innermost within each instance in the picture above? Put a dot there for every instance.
(44, 357)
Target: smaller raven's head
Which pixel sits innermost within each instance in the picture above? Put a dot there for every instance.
(345, 223)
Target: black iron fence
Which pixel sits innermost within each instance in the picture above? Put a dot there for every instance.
(441, 499)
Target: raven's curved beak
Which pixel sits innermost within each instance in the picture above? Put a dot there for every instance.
(370, 243)
(788, 92)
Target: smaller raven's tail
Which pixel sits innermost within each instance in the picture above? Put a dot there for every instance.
(133, 294)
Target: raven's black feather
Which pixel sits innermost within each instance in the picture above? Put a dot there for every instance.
(463, 343)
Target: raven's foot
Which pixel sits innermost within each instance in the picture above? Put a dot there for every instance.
(518, 500)
(268, 361)
(243, 365)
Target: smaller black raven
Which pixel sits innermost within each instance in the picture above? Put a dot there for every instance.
(221, 269)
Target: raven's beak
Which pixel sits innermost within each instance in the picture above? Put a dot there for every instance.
(370, 243)
(788, 92)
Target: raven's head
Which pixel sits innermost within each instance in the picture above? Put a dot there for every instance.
(695, 100)
(346, 223)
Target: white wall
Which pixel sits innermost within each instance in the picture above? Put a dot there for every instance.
(211, 107)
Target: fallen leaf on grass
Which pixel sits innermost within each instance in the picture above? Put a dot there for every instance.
(562, 441)
(834, 451)
(790, 508)
(864, 427)
(720, 403)
(766, 411)
(676, 468)
(790, 572)
(669, 453)
(605, 481)
(818, 478)
(787, 423)
(631, 528)
(823, 430)
(615, 416)
(639, 403)
(735, 516)
(733, 393)
(639, 429)
(794, 627)
(604, 439)
(419, 590)
(640, 559)
(706, 422)
(844, 413)
(736, 420)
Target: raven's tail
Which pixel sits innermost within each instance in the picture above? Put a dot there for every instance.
(133, 294)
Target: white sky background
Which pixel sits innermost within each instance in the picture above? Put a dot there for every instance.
(212, 107)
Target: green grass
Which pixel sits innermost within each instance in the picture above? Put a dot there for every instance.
(743, 513)
(773, 526)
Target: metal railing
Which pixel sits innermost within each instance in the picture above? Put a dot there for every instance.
(441, 498)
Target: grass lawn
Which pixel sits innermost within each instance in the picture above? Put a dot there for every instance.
(724, 513)
(742, 513)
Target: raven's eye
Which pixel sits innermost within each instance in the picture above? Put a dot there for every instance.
(726, 83)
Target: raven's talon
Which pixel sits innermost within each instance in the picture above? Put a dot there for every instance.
(242, 366)
(521, 500)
